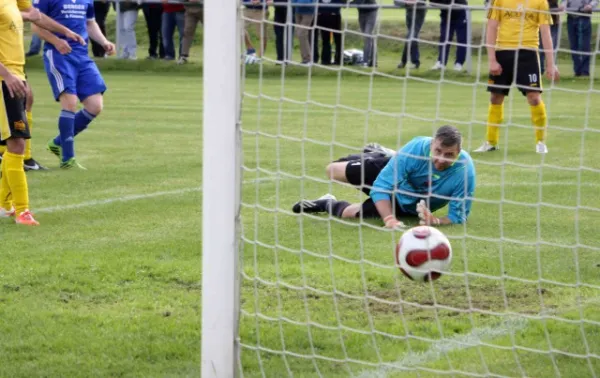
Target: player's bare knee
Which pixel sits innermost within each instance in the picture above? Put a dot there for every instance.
(68, 102)
(337, 171)
(534, 98)
(497, 99)
(16, 146)
(94, 104)
(351, 211)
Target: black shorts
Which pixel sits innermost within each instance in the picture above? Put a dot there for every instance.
(13, 120)
(362, 171)
(522, 66)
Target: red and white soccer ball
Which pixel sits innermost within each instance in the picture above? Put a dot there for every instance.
(423, 253)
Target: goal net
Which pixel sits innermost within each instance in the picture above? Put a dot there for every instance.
(321, 296)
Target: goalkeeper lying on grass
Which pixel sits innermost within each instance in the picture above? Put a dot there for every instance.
(424, 175)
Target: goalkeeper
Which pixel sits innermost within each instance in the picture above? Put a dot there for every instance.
(425, 175)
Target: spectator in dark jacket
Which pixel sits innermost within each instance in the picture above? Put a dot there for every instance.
(281, 29)
(452, 21)
(328, 19)
(153, 15)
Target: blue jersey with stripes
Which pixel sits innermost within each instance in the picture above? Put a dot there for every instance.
(73, 14)
(411, 176)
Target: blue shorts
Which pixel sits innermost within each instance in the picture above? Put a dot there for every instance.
(73, 73)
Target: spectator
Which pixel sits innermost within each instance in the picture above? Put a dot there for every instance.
(367, 20)
(304, 19)
(101, 9)
(328, 18)
(554, 31)
(173, 16)
(452, 20)
(256, 12)
(128, 14)
(579, 27)
(280, 28)
(193, 15)
(153, 15)
(415, 16)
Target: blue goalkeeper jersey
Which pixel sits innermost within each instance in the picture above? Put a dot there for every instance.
(411, 175)
(72, 14)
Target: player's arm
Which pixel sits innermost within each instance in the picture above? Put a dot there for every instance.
(96, 35)
(494, 16)
(60, 44)
(545, 20)
(393, 173)
(459, 206)
(44, 22)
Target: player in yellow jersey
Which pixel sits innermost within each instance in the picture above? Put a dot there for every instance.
(513, 30)
(14, 129)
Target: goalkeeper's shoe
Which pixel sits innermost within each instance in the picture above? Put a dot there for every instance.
(26, 218)
(7, 213)
(32, 165)
(54, 148)
(486, 147)
(376, 147)
(541, 148)
(71, 163)
(320, 205)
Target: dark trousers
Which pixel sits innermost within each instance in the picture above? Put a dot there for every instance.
(328, 21)
(554, 35)
(101, 10)
(414, 22)
(456, 23)
(281, 36)
(153, 16)
(580, 35)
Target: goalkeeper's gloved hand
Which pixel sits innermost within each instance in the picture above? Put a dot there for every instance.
(425, 216)
(392, 223)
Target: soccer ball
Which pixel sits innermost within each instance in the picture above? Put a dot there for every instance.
(423, 253)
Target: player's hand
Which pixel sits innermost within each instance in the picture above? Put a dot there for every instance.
(495, 68)
(62, 46)
(76, 37)
(392, 223)
(552, 73)
(16, 87)
(109, 47)
(425, 216)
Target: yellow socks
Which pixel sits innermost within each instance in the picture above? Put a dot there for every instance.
(539, 120)
(495, 118)
(5, 195)
(28, 141)
(12, 169)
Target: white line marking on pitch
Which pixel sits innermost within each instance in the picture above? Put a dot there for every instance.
(134, 197)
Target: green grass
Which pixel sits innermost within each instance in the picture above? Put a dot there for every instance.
(339, 277)
(109, 285)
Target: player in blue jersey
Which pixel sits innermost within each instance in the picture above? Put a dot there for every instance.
(73, 75)
(424, 176)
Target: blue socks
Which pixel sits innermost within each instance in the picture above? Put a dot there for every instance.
(66, 128)
(69, 125)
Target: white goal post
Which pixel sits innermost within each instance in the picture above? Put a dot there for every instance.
(221, 186)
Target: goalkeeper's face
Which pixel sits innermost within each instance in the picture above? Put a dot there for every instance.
(442, 156)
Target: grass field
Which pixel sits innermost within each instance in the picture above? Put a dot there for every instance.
(109, 285)
(321, 297)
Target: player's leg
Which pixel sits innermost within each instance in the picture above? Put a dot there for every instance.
(499, 87)
(530, 85)
(30, 164)
(62, 77)
(90, 89)
(14, 191)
